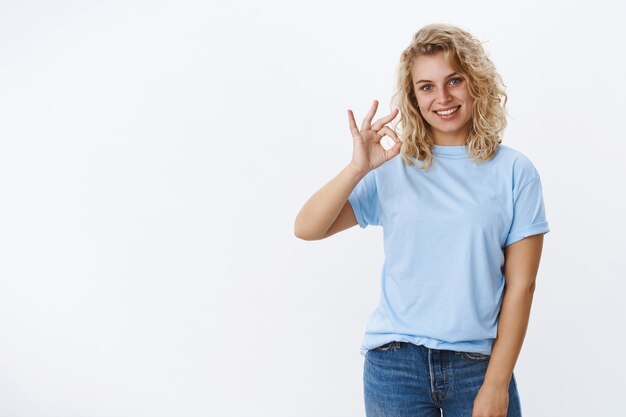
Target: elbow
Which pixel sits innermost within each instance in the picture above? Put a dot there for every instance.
(297, 233)
(304, 236)
(301, 232)
(297, 229)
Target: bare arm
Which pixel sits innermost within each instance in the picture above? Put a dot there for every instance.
(328, 210)
(328, 204)
(520, 271)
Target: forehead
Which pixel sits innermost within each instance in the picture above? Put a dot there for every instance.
(431, 67)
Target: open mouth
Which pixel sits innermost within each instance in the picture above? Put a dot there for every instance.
(447, 114)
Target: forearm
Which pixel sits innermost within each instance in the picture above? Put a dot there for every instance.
(512, 325)
(322, 208)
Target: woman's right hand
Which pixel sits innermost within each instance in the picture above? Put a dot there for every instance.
(368, 153)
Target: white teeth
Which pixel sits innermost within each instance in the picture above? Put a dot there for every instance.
(447, 112)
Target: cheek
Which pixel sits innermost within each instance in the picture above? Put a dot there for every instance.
(424, 104)
(467, 97)
(469, 104)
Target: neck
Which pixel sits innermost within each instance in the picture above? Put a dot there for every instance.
(449, 143)
(457, 138)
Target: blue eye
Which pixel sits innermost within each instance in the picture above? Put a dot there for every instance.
(451, 80)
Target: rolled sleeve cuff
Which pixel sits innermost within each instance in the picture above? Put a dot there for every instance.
(358, 213)
(534, 229)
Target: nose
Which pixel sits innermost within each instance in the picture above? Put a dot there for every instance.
(443, 96)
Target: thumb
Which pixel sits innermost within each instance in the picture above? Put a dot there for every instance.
(393, 151)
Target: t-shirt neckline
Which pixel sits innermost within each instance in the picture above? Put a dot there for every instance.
(451, 150)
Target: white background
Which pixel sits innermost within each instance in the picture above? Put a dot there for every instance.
(154, 155)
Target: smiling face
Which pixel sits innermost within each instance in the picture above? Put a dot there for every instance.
(438, 87)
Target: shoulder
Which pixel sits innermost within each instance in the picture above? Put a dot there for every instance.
(519, 165)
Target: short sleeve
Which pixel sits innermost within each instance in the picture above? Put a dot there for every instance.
(365, 202)
(529, 217)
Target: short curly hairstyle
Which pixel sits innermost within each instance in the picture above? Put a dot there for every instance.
(466, 55)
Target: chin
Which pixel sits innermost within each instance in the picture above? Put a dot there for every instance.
(449, 129)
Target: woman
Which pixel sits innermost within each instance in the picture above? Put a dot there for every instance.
(463, 221)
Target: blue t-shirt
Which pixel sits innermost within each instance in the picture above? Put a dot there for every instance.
(445, 230)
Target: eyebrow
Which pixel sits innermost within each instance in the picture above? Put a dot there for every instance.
(428, 81)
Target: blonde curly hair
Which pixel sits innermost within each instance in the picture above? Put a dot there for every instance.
(466, 55)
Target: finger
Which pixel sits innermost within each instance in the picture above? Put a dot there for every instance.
(353, 128)
(393, 151)
(369, 116)
(384, 120)
(390, 132)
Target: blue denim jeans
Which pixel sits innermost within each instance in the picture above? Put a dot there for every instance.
(405, 380)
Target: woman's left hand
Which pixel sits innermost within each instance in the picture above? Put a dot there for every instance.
(491, 401)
